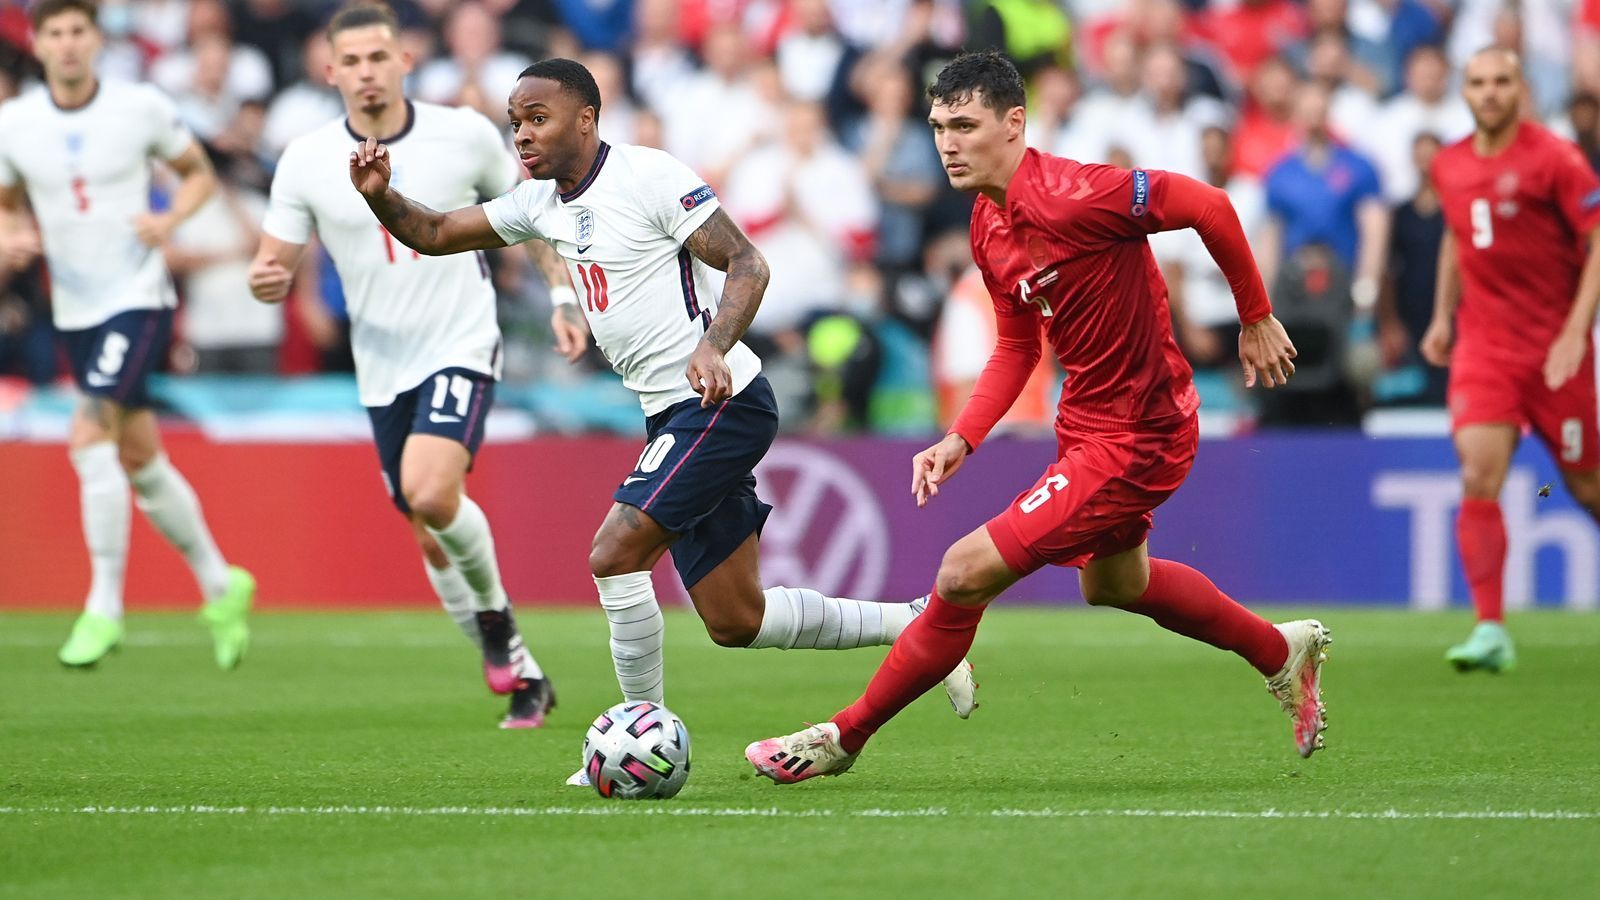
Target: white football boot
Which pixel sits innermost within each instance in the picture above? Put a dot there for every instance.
(1298, 685)
(804, 754)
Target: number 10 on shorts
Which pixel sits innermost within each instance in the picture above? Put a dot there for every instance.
(1052, 485)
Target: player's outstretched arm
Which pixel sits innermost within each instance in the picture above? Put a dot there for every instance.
(1572, 344)
(197, 183)
(272, 271)
(418, 227)
(720, 244)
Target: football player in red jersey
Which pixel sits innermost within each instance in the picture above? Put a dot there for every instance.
(1063, 250)
(1519, 278)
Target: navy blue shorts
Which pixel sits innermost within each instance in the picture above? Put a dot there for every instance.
(696, 475)
(451, 403)
(114, 359)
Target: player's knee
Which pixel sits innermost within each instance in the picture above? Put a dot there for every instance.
(1109, 593)
(435, 501)
(134, 459)
(733, 628)
(961, 582)
(609, 556)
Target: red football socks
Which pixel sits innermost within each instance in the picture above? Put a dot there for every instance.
(921, 657)
(1481, 537)
(1183, 600)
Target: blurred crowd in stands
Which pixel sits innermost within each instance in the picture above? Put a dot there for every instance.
(807, 116)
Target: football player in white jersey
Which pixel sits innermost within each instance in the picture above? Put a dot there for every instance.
(80, 148)
(423, 330)
(641, 234)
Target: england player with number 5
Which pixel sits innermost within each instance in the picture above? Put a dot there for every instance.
(423, 330)
(641, 234)
(81, 147)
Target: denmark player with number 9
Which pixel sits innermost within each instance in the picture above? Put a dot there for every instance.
(1519, 279)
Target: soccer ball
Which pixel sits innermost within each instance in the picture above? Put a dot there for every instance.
(637, 750)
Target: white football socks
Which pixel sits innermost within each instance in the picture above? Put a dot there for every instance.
(457, 598)
(107, 512)
(637, 628)
(170, 504)
(800, 618)
(469, 545)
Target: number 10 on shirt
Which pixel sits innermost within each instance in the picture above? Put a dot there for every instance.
(594, 287)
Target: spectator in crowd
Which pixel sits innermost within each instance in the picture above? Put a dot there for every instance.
(619, 125)
(123, 56)
(1427, 105)
(1109, 111)
(1406, 305)
(1582, 125)
(720, 113)
(659, 63)
(209, 255)
(1266, 128)
(1205, 317)
(1033, 33)
(811, 56)
(476, 71)
(1052, 110)
(1380, 34)
(902, 164)
(1353, 104)
(247, 75)
(1540, 30)
(308, 103)
(1164, 132)
(1324, 192)
(1250, 32)
(808, 205)
(277, 28)
(27, 339)
(597, 24)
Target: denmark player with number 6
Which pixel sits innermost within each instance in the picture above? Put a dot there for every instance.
(1519, 279)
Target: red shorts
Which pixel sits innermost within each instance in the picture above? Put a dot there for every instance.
(1097, 499)
(1565, 419)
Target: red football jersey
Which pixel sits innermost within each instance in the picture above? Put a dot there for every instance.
(1068, 254)
(1521, 221)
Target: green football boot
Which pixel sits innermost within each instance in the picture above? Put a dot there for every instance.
(228, 618)
(93, 636)
(1489, 647)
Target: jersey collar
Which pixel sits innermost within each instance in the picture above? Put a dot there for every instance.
(411, 120)
(594, 170)
(84, 105)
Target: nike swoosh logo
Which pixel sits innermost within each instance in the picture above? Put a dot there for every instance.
(435, 417)
(584, 248)
(631, 479)
(96, 379)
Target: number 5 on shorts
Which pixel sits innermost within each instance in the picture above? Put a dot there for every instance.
(1053, 484)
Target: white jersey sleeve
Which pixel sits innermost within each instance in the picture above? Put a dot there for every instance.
(9, 177)
(169, 137)
(676, 199)
(515, 214)
(288, 214)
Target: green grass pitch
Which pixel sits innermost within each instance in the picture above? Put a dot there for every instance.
(356, 755)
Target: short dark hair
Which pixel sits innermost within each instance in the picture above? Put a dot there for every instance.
(571, 75)
(989, 73)
(362, 14)
(49, 9)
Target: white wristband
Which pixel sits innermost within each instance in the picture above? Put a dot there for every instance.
(561, 296)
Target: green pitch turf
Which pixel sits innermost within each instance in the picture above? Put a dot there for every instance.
(357, 756)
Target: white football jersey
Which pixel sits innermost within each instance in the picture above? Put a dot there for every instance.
(410, 315)
(87, 174)
(621, 230)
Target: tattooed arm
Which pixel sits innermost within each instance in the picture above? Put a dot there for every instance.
(720, 244)
(566, 320)
(418, 227)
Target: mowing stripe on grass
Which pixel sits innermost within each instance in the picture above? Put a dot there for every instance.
(930, 812)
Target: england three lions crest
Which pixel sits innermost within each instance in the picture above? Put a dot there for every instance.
(585, 226)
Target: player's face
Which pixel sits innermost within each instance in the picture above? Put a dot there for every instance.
(66, 45)
(548, 127)
(1492, 86)
(369, 68)
(973, 140)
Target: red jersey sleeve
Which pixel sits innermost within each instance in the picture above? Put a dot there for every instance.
(1187, 203)
(1576, 188)
(1016, 353)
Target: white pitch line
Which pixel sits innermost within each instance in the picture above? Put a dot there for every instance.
(931, 812)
